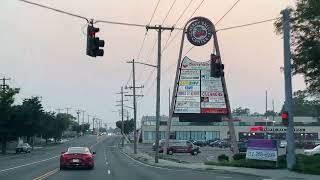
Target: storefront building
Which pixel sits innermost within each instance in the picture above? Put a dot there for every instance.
(246, 127)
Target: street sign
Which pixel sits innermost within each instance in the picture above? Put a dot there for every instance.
(199, 32)
(262, 149)
(199, 97)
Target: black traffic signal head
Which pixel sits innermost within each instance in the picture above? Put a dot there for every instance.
(217, 69)
(285, 118)
(93, 42)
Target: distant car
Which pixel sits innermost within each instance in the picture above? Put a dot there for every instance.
(223, 144)
(215, 143)
(199, 143)
(242, 147)
(77, 157)
(283, 144)
(23, 147)
(313, 151)
(182, 146)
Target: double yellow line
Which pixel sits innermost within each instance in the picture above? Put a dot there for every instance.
(44, 176)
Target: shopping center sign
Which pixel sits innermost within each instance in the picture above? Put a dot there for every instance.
(262, 149)
(199, 97)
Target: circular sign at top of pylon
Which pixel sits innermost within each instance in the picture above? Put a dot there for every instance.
(199, 32)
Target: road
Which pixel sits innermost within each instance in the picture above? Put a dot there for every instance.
(110, 163)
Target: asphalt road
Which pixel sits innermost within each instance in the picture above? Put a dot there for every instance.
(110, 163)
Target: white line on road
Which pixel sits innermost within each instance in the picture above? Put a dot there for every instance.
(107, 163)
(16, 167)
(224, 177)
(109, 172)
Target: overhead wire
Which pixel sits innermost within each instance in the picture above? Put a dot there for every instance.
(232, 27)
(224, 15)
(165, 18)
(154, 12)
(199, 5)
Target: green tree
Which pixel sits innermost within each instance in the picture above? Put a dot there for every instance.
(304, 105)
(270, 113)
(241, 111)
(305, 42)
(6, 101)
(60, 124)
(128, 126)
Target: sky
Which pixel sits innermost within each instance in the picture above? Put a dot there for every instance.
(43, 52)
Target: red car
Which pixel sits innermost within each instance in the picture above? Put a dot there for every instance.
(77, 157)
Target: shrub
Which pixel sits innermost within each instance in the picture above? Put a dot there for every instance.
(239, 156)
(223, 157)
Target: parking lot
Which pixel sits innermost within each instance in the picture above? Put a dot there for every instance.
(207, 153)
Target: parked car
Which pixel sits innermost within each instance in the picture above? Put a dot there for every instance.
(214, 143)
(314, 151)
(224, 144)
(242, 147)
(181, 146)
(199, 143)
(23, 147)
(77, 157)
(208, 142)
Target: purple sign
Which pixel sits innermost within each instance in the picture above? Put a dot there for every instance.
(262, 149)
(262, 143)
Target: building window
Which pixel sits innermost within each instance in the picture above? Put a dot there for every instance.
(212, 135)
(183, 135)
(149, 135)
(198, 135)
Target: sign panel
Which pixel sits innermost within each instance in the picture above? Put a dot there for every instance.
(198, 93)
(262, 149)
(199, 32)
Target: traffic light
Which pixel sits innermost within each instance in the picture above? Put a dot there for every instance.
(285, 118)
(93, 42)
(216, 67)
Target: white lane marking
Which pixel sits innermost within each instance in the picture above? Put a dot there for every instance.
(224, 177)
(148, 165)
(107, 163)
(109, 172)
(16, 167)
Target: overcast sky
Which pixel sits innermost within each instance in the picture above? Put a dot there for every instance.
(44, 52)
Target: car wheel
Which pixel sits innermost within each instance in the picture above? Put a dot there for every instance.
(91, 167)
(194, 153)
(170, 152)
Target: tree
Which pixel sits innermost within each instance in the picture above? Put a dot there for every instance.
(6, 101)
(241, 111)
(60, 124)
(304, 105)
(305, 42)
(270, 113)
(85, 127)
(128, 126)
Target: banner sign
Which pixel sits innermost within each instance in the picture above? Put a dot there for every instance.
(262, 149)
(198, 92)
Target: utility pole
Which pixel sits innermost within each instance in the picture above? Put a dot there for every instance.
(88, 119)
(68, 110)
(83, 116)
(291, 159)
(78, 114)
(93, 131)
(134, 87)
(159, 29)
(273, 113)
(122, 123)
(266, 133)
(59, 110)
(4, 85)
(169, 102)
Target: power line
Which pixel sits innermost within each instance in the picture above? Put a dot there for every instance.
(168, 12)
(218, 20)
(228, 11)
(57, 10)
(248, 24)
(141, 47)
(228, 28)
(199, 5)
(183, 12)
(154, 12)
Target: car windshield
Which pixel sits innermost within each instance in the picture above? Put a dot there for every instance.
(79, 150)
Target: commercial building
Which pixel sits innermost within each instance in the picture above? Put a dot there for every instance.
(306, 129)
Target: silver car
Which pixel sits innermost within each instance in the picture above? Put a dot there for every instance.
(23, 147)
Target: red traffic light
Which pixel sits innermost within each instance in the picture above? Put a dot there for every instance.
(285, 118)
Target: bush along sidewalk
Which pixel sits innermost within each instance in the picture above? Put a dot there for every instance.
(304, 164)
(239, 160)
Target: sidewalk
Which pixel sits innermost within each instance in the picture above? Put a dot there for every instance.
(275, 174)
